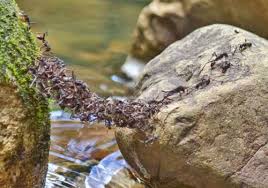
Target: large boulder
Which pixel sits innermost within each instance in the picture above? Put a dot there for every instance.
(164, 21)
(214, 131)
(24, 118)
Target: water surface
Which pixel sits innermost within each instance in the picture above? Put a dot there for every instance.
(92, 36)
(85, 156)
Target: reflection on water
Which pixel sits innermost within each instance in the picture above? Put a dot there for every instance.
(83, 156)
(92, 36)
(102, 173)
(56, 179)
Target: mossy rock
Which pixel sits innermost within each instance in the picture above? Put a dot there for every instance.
(24, 122)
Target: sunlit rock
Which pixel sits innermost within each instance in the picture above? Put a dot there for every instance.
(214, 132)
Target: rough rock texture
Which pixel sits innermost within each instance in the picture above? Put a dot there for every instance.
(24, 120)
(164, 21)
(214, 132)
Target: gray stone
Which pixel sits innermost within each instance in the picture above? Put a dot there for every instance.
(214, 132)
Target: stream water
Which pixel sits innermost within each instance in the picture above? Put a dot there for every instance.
(83, 156)
(93, 38)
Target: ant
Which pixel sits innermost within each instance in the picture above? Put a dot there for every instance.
(225, 66)
(236, 31)
(214, 61)
(179, 89)
(166, 99)
(25, 18)
(244, 46)
(218, 57)
(203, 83)
(42, 38)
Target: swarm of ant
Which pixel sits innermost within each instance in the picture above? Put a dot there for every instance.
(55, 81)
(223, 60)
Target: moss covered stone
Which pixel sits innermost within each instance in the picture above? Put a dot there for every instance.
(24, 119)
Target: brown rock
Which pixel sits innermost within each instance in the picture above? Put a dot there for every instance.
(215, 133)
(24, 143)
(164, 21)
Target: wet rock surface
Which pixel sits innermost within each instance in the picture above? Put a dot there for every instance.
(214, 132)
(162, 22)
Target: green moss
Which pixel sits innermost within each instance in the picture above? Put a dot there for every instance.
(18, 51)
(17, 47)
